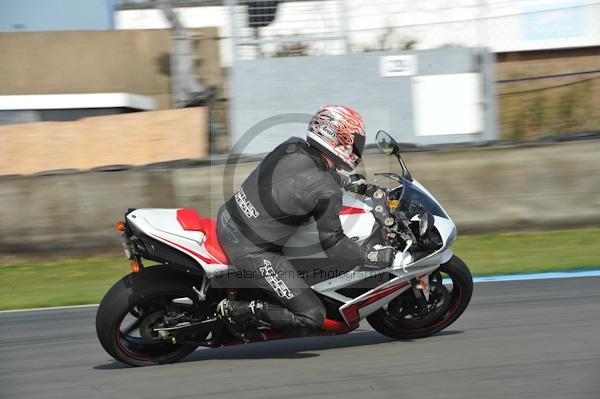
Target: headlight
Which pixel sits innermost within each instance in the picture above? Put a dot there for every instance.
(423, 224)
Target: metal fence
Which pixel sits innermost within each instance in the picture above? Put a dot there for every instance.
(264, 29)
(267, 28)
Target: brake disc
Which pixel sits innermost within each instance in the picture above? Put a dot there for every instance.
(150, 322)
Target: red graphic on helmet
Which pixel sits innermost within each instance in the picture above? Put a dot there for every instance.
(338, 131)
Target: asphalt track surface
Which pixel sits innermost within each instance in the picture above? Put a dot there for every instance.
(521, 339)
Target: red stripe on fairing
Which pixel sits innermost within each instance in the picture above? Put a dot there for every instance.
(207, 260)
(349, 210)
(334, 325)
(351, 312)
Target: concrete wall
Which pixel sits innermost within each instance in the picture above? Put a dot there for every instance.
(99, 61)
(553, 185)
(134, 139)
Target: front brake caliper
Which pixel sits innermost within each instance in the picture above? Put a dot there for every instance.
(421, 293)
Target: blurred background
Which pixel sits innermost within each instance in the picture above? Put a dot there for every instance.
(106, 105)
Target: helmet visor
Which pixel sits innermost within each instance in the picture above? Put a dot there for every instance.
(359, 144)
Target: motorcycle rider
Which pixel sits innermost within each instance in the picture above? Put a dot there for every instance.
(296, 181)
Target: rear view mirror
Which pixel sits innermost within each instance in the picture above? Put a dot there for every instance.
(385, 142)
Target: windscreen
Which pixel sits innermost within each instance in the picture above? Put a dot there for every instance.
(413, 201)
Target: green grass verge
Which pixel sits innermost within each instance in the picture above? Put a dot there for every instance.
(59, 283)
(86, 281)
(530, 252)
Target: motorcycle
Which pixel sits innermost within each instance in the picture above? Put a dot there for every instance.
(160, 314)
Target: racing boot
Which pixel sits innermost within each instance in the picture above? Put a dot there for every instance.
(244, 318)
(240, 318)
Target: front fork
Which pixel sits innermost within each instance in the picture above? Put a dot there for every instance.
(421, 287)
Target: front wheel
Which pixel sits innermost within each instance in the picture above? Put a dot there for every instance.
(136, 306)
(404, 318)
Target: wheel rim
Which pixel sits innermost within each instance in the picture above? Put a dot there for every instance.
(442, 305)
(135, 336)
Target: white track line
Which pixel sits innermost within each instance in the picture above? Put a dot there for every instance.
(537, 276)
(50, 308)
(485, 279)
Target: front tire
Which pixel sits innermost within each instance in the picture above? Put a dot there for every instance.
(399, 320)
(141, 297)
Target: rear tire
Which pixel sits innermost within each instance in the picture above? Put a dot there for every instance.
(462, 290)
(136, 289)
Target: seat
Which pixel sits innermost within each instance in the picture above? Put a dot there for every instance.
(190, 220)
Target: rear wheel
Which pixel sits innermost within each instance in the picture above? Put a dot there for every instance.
(405, 318)
(139, 303)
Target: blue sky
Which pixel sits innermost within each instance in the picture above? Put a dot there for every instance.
(45, 15)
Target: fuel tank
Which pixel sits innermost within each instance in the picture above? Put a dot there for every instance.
(357, 222)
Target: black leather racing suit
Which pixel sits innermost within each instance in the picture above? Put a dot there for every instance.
(292, 184)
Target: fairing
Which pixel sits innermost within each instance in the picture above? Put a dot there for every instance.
(162, 225)
(358, 223)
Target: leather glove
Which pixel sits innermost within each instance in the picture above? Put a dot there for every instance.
(356, 184)
(380, 256)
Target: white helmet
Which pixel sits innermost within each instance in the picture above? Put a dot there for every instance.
(339, 133)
